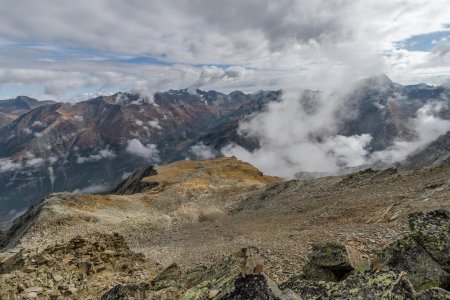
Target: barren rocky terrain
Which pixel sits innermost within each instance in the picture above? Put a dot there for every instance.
(196, 213)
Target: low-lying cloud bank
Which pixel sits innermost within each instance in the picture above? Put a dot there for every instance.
(300, 134)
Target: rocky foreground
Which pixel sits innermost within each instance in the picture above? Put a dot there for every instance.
(414, 267)
(220, 229)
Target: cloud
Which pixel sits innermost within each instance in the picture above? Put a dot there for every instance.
(102, 154)
(245, 45)
(154, 124)
(427, 127)
(79, 118)
(201, 151)
(148, 151)
(300, 134)
(35, 162)
(93, 189)
(8, 164)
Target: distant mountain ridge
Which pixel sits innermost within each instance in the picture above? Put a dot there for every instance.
(90, 146)
(10, 109)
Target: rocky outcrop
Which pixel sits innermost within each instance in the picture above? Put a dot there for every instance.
(424, 253)
(19, 227)
(212, 282)
(79, 269)
(134, 184)
(432, 231)
(414, 267)
(332, 262)
(257, 286)
(436, 153)
(333, 272)
(365, 285)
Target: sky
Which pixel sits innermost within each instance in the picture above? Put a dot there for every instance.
(73, 50)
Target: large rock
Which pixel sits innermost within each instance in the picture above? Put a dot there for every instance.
(424, 253)
(134, 184)
(432, 231)
(257, 286)
(332, 262)
(361, 285)
(198, 283)
(409, 256)
(79, 268)
(434, 294)
(135, 291)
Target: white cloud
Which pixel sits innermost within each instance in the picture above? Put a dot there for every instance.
(102, 154)
(223, 45)
(79, 118)
(35, 162)
(300, 135)
(427, 127)
(93, 189)
(148, 151)
(154, 124)
(201, 151)
(126, 175)
(29, 161)
(7, 164)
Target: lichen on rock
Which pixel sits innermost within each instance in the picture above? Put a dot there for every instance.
(432, 231)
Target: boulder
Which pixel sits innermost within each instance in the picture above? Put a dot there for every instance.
(169, 277)
(332, 262)
(422, 270)
(199, 283)
(120, 292)
(365, 285)
(432, 231)
(257, 286)
(424, 253)
(433, 294)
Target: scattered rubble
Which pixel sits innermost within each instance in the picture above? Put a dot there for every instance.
(84, 267)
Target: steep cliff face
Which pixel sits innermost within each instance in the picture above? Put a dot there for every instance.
(134, 183)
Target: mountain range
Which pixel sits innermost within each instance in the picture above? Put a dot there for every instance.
(90, 146)
(130, 197)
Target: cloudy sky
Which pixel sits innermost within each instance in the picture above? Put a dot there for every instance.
(70, 50)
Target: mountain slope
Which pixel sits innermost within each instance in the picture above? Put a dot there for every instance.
(437, 153)
(91, 145)
(217, 207)
(385, 109)
(11, 109)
